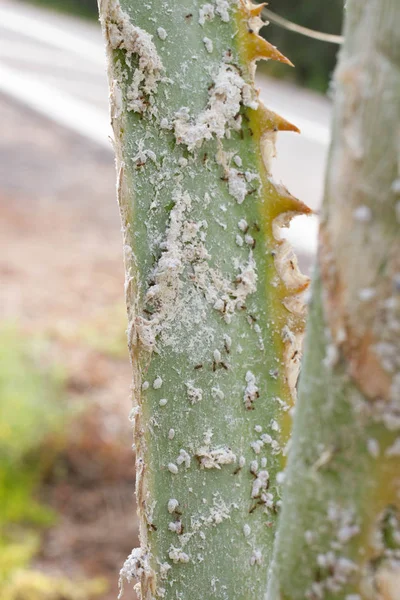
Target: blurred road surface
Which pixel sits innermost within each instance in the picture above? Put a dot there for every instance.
(55, 65)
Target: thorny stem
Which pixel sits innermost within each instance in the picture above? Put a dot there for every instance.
(339, 532)
(212, 294)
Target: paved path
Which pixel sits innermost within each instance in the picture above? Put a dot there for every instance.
(55, 64)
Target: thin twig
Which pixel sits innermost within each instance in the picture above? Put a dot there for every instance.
(311, 33)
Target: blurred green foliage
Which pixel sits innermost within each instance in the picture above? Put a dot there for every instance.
(314, 60)
(32, 415)
(33, 418)
(81, 8)
(33, 585)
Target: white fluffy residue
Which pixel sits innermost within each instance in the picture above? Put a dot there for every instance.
(164, 568)
(170, 265)
(157, 383)
(331, 356)
(208, 44)
(260, 484)
(366, 294)
(280, 477)
(340, 571)
(256, 558)
(246, 530)
(123, 35)
(162, 34)
(175, 527)
(214, 458)
(249, 240)
(256, 446)
(396, 186)
(227, 94)
(217, 393)
(206, 13)
(177, 555)
(219, 512)
(288, 335)
(170, 298)
(194, 394)
(251, 392)
(237, 185)
(373, 447)
(217, 356)
(172, 505)
(183, 458)
(136, 565)
(254, 467)
(344, 520)
(222, 9)
(362, 213)
(227, 342)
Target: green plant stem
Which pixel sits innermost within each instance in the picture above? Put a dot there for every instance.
(214, 317)
(339, 534)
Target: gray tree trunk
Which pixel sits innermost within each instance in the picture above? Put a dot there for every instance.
(339, 533)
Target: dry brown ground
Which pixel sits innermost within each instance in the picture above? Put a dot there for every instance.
(60, 270)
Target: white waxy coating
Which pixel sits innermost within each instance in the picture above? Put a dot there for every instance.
(239, 240)
(251, 391)
(183, 457)
(227, 95)
(217, 356)
(208, 44)
(162, 34)
(177, 555)
(246, 530)
(172, 505)
(206, 13)
(362, 213)
(123, 35)
(243, 225)
(157, 383)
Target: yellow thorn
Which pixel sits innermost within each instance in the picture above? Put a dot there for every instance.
(257, 48)
(267, 121)
(287, 205)
(255, 10)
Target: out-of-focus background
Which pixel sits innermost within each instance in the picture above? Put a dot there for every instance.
(67, 518)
